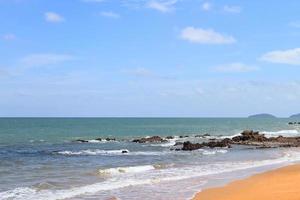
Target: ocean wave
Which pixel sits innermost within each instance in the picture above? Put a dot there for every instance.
(126, 152)
(148, 174)
(286, 133)
(132, 169)
(93, 152)
(171, 142)
(122, 170)
(213, 152)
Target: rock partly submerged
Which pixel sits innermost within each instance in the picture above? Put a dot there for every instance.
(247, 138)
(188, 146)
(153, 139)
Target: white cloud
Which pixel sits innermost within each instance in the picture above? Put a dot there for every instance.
(110, 14)
(45, 59)
(162, 5)
(235, 68)
(53, 17)
(295, 24)
(290, 56)
(9, 36)
(141, 72)
(232, 9)
(205, 36)
(206, 6)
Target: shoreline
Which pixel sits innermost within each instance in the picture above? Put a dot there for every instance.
(277, 184)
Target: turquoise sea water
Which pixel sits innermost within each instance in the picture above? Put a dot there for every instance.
(39, 158)
(58, 130)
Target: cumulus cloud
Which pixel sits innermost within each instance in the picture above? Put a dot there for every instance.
(110, 14)
(162, 5)
(9, 36)
(45, 59)
(53, 17)
(235, 68)
(290, 56)
(232, 9)
(206, 6)
(205, 36)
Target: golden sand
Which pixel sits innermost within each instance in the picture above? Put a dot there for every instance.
(280, 184)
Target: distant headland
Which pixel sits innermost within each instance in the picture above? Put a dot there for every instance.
(295, 116)
(263, 115)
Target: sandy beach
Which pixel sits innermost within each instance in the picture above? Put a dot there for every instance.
(280, 184)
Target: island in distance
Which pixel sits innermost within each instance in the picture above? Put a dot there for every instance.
(295, 116)
(263, 115)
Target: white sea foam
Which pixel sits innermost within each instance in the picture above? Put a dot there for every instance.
(286, 133)
(93, 152)
(96, 141)
(96, 152)
(123, 170)
(171, 142)
(149, 176)
(213, 152)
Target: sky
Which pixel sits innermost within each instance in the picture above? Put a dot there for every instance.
(149, 58)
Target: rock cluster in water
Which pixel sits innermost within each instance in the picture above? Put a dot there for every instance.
(247, 137)
(294, 123)
(153, 139)
(188, 146)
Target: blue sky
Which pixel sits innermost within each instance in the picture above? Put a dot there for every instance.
(149, 58)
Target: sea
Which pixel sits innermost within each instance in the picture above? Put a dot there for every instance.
(40, 158)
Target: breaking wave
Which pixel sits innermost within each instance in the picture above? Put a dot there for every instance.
(148, 174)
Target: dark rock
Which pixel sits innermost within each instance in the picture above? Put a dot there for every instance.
(125, 151)
(255, 139)
(136, 140)
(183, 136)
(110, 139)
(249, 135)
(82, 141)
(188, 146)
(153, 139)
(170, 137)
(178, 143)
(223, 143)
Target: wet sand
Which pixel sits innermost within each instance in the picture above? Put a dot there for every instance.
(279, 184)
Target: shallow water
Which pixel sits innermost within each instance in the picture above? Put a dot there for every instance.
(40, 160)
